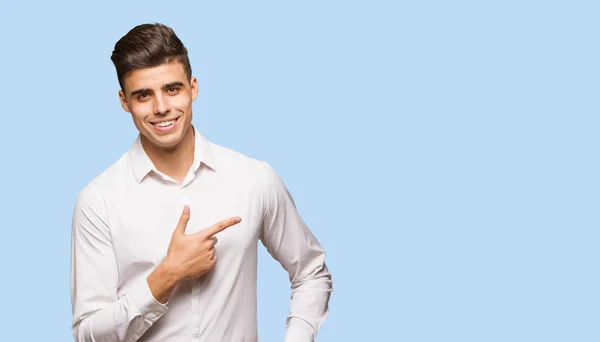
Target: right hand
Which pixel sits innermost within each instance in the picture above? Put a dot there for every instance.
(191, 256)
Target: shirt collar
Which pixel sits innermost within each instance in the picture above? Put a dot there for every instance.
(141, 164)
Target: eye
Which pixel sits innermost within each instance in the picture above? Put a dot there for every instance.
(173, 90)
(143, 96)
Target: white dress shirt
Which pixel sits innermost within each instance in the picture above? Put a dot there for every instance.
(122, 225)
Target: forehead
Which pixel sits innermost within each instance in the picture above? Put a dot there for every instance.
(155, 77)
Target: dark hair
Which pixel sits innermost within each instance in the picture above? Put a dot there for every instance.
(148, 45)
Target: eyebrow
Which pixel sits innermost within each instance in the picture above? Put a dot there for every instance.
(148, 90)
(173, 84)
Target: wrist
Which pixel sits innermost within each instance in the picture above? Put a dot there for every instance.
(169, 272)
(162, 281)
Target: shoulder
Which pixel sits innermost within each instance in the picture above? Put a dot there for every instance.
(104, 184)
(231, 161)
(246, 170)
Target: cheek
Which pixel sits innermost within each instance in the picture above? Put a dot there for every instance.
(181, 103)
(140, 111)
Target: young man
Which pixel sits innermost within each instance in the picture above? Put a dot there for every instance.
(164, 242)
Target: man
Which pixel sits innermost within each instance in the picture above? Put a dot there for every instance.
(164, 241)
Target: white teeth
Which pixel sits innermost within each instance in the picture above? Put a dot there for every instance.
(165, 123)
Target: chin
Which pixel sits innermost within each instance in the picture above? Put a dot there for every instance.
(166, 140)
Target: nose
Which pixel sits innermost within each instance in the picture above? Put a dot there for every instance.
(161, 105)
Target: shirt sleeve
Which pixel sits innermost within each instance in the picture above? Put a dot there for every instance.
(99, 315)
(292, 244)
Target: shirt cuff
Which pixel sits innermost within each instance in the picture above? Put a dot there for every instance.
(298, 330)
(145, 303)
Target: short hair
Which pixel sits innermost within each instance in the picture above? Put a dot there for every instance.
(148, 45)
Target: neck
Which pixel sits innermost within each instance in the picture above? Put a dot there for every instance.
(174, 162)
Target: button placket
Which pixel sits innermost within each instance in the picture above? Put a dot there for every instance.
(184, 199)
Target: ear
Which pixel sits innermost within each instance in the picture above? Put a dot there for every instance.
(123, 100)
(194, 85)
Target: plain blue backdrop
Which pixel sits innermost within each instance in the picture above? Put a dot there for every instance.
(445, 153)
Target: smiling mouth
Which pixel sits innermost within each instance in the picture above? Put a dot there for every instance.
(164, 123)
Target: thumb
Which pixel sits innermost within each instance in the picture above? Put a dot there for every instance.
(183, 220)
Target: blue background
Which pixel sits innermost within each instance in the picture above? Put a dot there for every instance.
(444, 153)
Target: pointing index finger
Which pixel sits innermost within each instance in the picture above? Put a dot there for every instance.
(221, 225)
